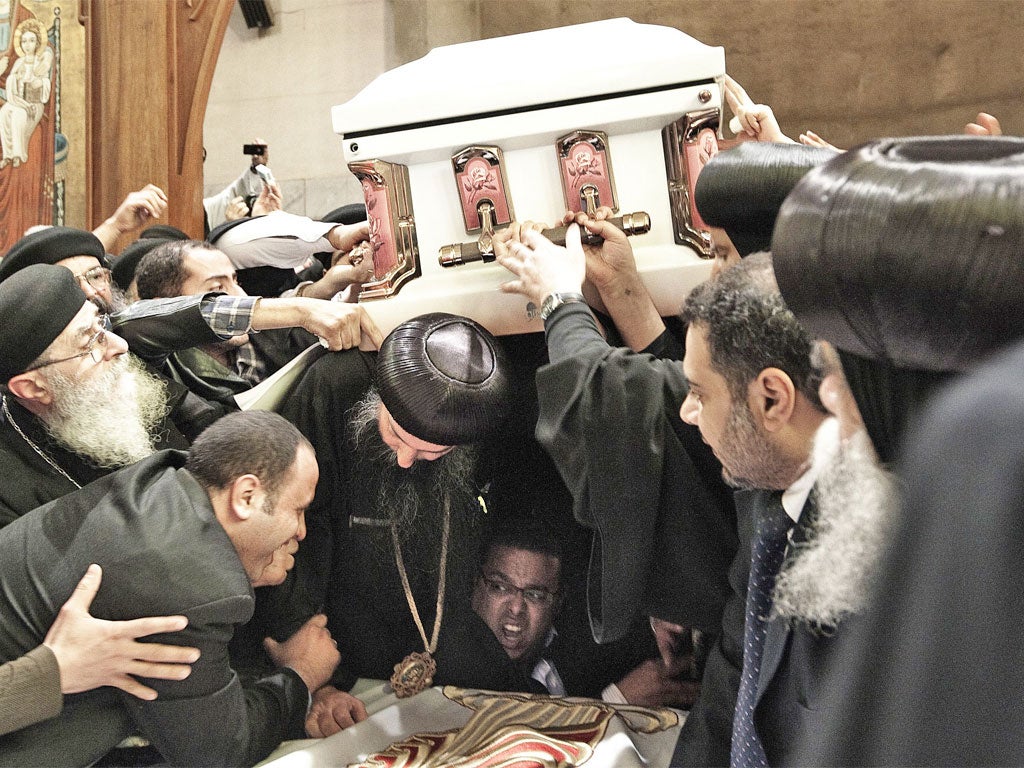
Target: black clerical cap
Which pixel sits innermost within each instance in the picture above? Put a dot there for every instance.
(124, 264)
(444, 379)
(908, 256)
(50, 245)
(163, 232)
(36, 305)
(740, 189)
(909, 250)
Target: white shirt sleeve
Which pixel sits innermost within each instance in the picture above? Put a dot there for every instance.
(612, 695)
(279, 239)
(216, 205)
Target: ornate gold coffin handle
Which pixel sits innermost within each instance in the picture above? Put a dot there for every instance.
(638, 223)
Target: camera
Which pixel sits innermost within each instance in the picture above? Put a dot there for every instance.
(254, 149)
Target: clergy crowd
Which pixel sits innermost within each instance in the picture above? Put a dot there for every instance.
(788, 513)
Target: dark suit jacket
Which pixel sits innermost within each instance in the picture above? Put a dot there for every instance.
(789, 691)
(152, 529)
(789, 683)
(707, 733)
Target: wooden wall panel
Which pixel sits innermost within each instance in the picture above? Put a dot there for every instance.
(149, 68)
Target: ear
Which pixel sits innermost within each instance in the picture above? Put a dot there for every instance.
(31, 388)
(245, 496)
(772, 399)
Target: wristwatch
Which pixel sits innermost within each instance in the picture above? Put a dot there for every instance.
(554, 300)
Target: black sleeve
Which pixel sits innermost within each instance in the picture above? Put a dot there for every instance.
(706, 737)
(210, 718)
(154, 328)
(664, 529)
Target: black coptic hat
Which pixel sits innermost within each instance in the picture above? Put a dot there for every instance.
(48, 246)
(124, 264)
(163, 232)
(444, 379)
(36, 305)
(909, 250)
(740, 189)
(908, 256)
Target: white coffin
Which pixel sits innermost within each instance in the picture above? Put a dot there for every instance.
(521, 93)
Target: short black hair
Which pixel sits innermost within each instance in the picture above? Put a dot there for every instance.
(260, 443)
(750, 328)
(525, 533)
(161, 272)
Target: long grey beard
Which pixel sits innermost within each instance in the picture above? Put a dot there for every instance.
(831, 574)
(109, 418)
(414, 499)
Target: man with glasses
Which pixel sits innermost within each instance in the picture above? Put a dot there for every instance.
(74, 406)
(511, 643)
(80, 251)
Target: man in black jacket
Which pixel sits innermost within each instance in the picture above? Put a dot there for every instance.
(513, 638)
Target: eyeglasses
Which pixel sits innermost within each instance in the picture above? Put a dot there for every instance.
(502, 589)
(97, 277)
(96, 347)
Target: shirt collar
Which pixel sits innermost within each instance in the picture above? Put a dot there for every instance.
(794, 498)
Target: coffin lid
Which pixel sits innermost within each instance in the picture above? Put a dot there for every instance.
(551, 66)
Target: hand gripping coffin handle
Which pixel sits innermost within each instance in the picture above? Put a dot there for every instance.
(638, 223)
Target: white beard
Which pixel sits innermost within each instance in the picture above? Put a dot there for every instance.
(831, 574)
(108, 418)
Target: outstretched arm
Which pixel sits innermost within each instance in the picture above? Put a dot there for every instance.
(755, 121)
(136, 210)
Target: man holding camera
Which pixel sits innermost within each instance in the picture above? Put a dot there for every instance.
(254, 192)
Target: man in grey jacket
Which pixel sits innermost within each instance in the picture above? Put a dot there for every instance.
(175, 534)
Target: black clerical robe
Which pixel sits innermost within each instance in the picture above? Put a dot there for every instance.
(346, 565)
(642, 480)
(29, 480)
(932, 674)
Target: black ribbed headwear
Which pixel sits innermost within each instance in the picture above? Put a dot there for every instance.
(908, 256)
(740, 189)
(443, 379)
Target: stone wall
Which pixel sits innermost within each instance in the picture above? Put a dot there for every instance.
(279, 84)
(851, 70)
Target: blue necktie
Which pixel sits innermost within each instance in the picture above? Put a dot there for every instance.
(767, 552)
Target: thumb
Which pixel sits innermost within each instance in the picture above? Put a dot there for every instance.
(86, 589)
(370, 330)
(572, 238)
(271, 645)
